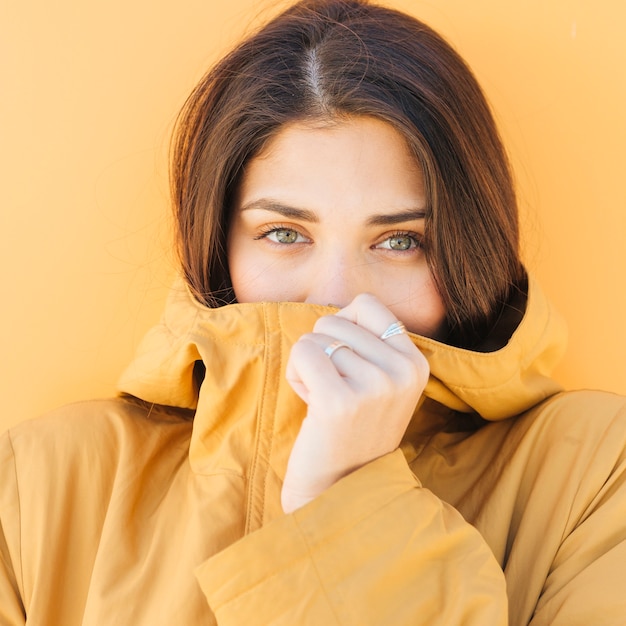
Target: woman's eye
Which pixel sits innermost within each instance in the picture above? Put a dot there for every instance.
(285, 235)
(401, 242)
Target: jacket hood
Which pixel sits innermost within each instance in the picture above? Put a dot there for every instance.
(242, 343)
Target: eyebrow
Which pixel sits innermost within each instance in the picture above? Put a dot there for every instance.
(383, 219)
(283, 209)
(388, 219)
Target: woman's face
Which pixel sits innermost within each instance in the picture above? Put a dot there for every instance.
(328, 212)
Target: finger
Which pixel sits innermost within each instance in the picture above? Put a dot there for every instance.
(310, 370)
(314, 381)
(339, 354)
(332, 379)
(368, 312)
(391, 356)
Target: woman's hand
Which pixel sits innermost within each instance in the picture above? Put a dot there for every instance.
(360, 398)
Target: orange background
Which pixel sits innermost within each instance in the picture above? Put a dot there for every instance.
(89, 94)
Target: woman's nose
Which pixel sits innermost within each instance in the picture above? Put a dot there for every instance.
(337, 284)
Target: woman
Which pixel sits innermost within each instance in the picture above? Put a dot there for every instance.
(346, 414)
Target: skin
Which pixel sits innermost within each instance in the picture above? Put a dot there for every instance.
(334, 213)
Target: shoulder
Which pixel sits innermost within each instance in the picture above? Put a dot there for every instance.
(587, 400)
(76, 457)
(584, 411)
(575, 437)
(92, 429)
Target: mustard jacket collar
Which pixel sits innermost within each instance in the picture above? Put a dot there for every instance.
(240, 342)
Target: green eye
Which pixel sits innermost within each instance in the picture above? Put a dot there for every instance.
(400, 242)
(285, 235)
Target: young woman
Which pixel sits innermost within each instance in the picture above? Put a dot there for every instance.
(346, 415)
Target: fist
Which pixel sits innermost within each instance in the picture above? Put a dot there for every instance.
(360, 390)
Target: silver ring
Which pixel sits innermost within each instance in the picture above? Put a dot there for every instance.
(331, 348)
(397, 328)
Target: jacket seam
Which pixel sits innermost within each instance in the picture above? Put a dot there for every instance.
(313, 560)
(270, 433)
(255, 461)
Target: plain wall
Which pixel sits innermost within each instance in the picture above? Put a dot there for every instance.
(89, 95)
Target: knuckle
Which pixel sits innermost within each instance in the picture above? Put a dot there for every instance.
(418, 361)
(411, 373)
(324, 324)
(302, 347)
(365, 297)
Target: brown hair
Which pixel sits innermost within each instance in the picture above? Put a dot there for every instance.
(324, 59)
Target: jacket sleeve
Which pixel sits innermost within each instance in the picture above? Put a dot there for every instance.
(11, 606)
(376, 548)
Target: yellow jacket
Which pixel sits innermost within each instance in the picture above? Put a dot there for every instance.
(505, 504)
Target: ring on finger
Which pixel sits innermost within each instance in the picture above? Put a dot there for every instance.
(397, 328)
(331, 348)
